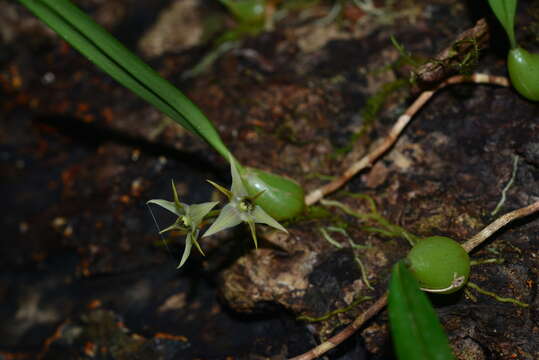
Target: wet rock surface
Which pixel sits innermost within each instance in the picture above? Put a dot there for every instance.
(84, 273)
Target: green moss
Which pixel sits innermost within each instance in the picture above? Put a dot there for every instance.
(434, 223)
(383, 226)
(437, 222)
(370, 111)
(445, 215)
(330, 314)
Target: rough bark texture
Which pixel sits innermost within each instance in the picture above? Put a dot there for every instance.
(84, 271)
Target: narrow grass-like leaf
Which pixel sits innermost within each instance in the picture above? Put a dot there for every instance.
(505, 12)
(111, 56)
(417, 333)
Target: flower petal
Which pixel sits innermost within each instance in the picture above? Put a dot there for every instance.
(198, 246)
(197, 211)
(260, 216)
(170, 206)
(238, 187)
(175, 194)
(228, 217)
(221, 189)
(186, 250)
(174, 226)
(253, 232)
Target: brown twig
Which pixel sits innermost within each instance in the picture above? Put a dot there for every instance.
(497, 224)
(396, 130)
(463, 51)
(346, 333)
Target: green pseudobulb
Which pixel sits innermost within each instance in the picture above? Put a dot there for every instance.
(281, 198)
(439, 264)
(247, 11)
(524, 72)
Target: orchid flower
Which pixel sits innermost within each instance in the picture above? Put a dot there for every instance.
(189, 219)
(240, 208)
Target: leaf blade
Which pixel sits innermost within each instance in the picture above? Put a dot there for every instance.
(505, 11)
(111, 56)
(416, 330)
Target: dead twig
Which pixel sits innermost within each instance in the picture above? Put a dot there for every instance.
(462, 53)
(497, 224)
(369, 159)
(382, 301)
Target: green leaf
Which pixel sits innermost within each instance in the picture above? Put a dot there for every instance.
(505, 11)
(111, 56)
(417, 333)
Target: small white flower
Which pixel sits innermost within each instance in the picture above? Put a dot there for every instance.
(189, 219)
(240, 208)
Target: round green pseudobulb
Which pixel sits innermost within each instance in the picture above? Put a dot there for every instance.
(440, 264)
(247, 11)
(282, 198)
(524, 72)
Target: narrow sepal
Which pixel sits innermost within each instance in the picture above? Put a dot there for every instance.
(260, 216)
(174, 226)
(197, 245)
(168, 205)
(175, 194)
(186, 250)
(253, 232)
(225, 191)
(238, 187)
(228, 217)
(198, 211)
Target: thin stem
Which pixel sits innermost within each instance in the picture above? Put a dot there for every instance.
(495, 296)
(333, 14)
(507, 186)
(401, 123)
(334, 312)
(329, 238)
(486, 261)
(388, 229)
(353, 245)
